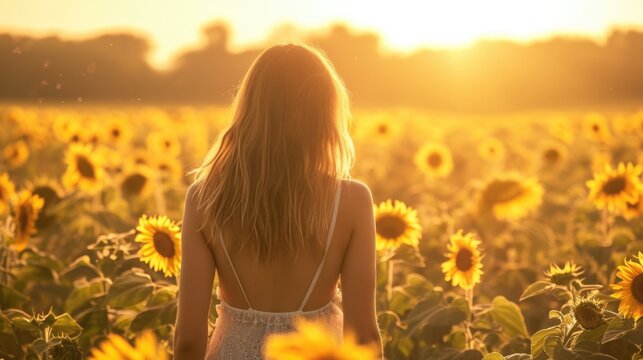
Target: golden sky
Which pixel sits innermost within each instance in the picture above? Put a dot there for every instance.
(403, 24)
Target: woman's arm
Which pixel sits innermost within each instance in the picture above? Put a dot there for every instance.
(359, 270)
(195, 286)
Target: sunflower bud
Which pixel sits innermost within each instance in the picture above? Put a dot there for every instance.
(588, 312)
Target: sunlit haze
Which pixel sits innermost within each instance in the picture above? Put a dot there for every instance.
(403, 25)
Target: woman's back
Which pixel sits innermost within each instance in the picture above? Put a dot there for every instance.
(240, 329)
(281, 287)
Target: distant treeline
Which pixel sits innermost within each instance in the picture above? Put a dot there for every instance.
(490, 76)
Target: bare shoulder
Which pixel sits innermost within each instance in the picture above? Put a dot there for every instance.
(191, 203)
(358, 195)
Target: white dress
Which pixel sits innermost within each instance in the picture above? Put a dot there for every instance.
(240, 333)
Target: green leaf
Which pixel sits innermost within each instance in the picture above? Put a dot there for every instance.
(8, 342)
(437, 316)
(11, 298)
(538, 339)
(66, 325)
(81, 267)
(617, 328)
(553, 345)
(26, 331)
(594, 335)
(155, 317)
(537, 288)
(131, 288)
(493, 356)
(417, 285)
(84, 292)
(508, 315)
(163, 295)
(401, 301)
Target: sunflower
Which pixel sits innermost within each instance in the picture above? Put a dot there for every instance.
(564, 275)
(169, 169)
(553, 154)
(140, 156)
(84, 168)
(65, 126)
(163, 142)
(596, 128)
(396, 224)
(161, 238)
(116, 347)
(630, 289)
(25, 213)
(588, 312)
(16, 153)
(379, 127)
(612, 189)
(464, 265)
(491, 149)
(312, 341)
(434, 160)
(136, 182)
(7, 192)
(51, 193)
(117, 131)
(510, 197)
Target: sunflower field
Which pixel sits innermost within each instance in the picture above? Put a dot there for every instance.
(515, 237)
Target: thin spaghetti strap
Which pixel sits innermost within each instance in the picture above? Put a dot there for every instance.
(331, 229)
(233, 270)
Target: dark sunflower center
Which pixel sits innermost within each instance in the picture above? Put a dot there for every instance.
(562, 279)
(382, 129)
(168, 144)
(163, 244)
(140, 161)
(595, 128)
(464, 260)
(614, 186)
(501, 191)
(85, 167)
(637, 288)
(116, 133)
(134, 184)
(552, 155)
(434, 160)
(390, 227)
(75, 138)
(588, 315)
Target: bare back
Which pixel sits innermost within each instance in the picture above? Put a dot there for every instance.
(281, 287)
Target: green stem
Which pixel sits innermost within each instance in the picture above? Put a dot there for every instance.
(389, 279)
(467, 323)
(606, 222)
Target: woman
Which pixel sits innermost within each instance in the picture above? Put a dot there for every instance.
(274, 212)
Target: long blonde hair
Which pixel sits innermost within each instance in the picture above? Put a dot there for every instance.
(271, 177)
